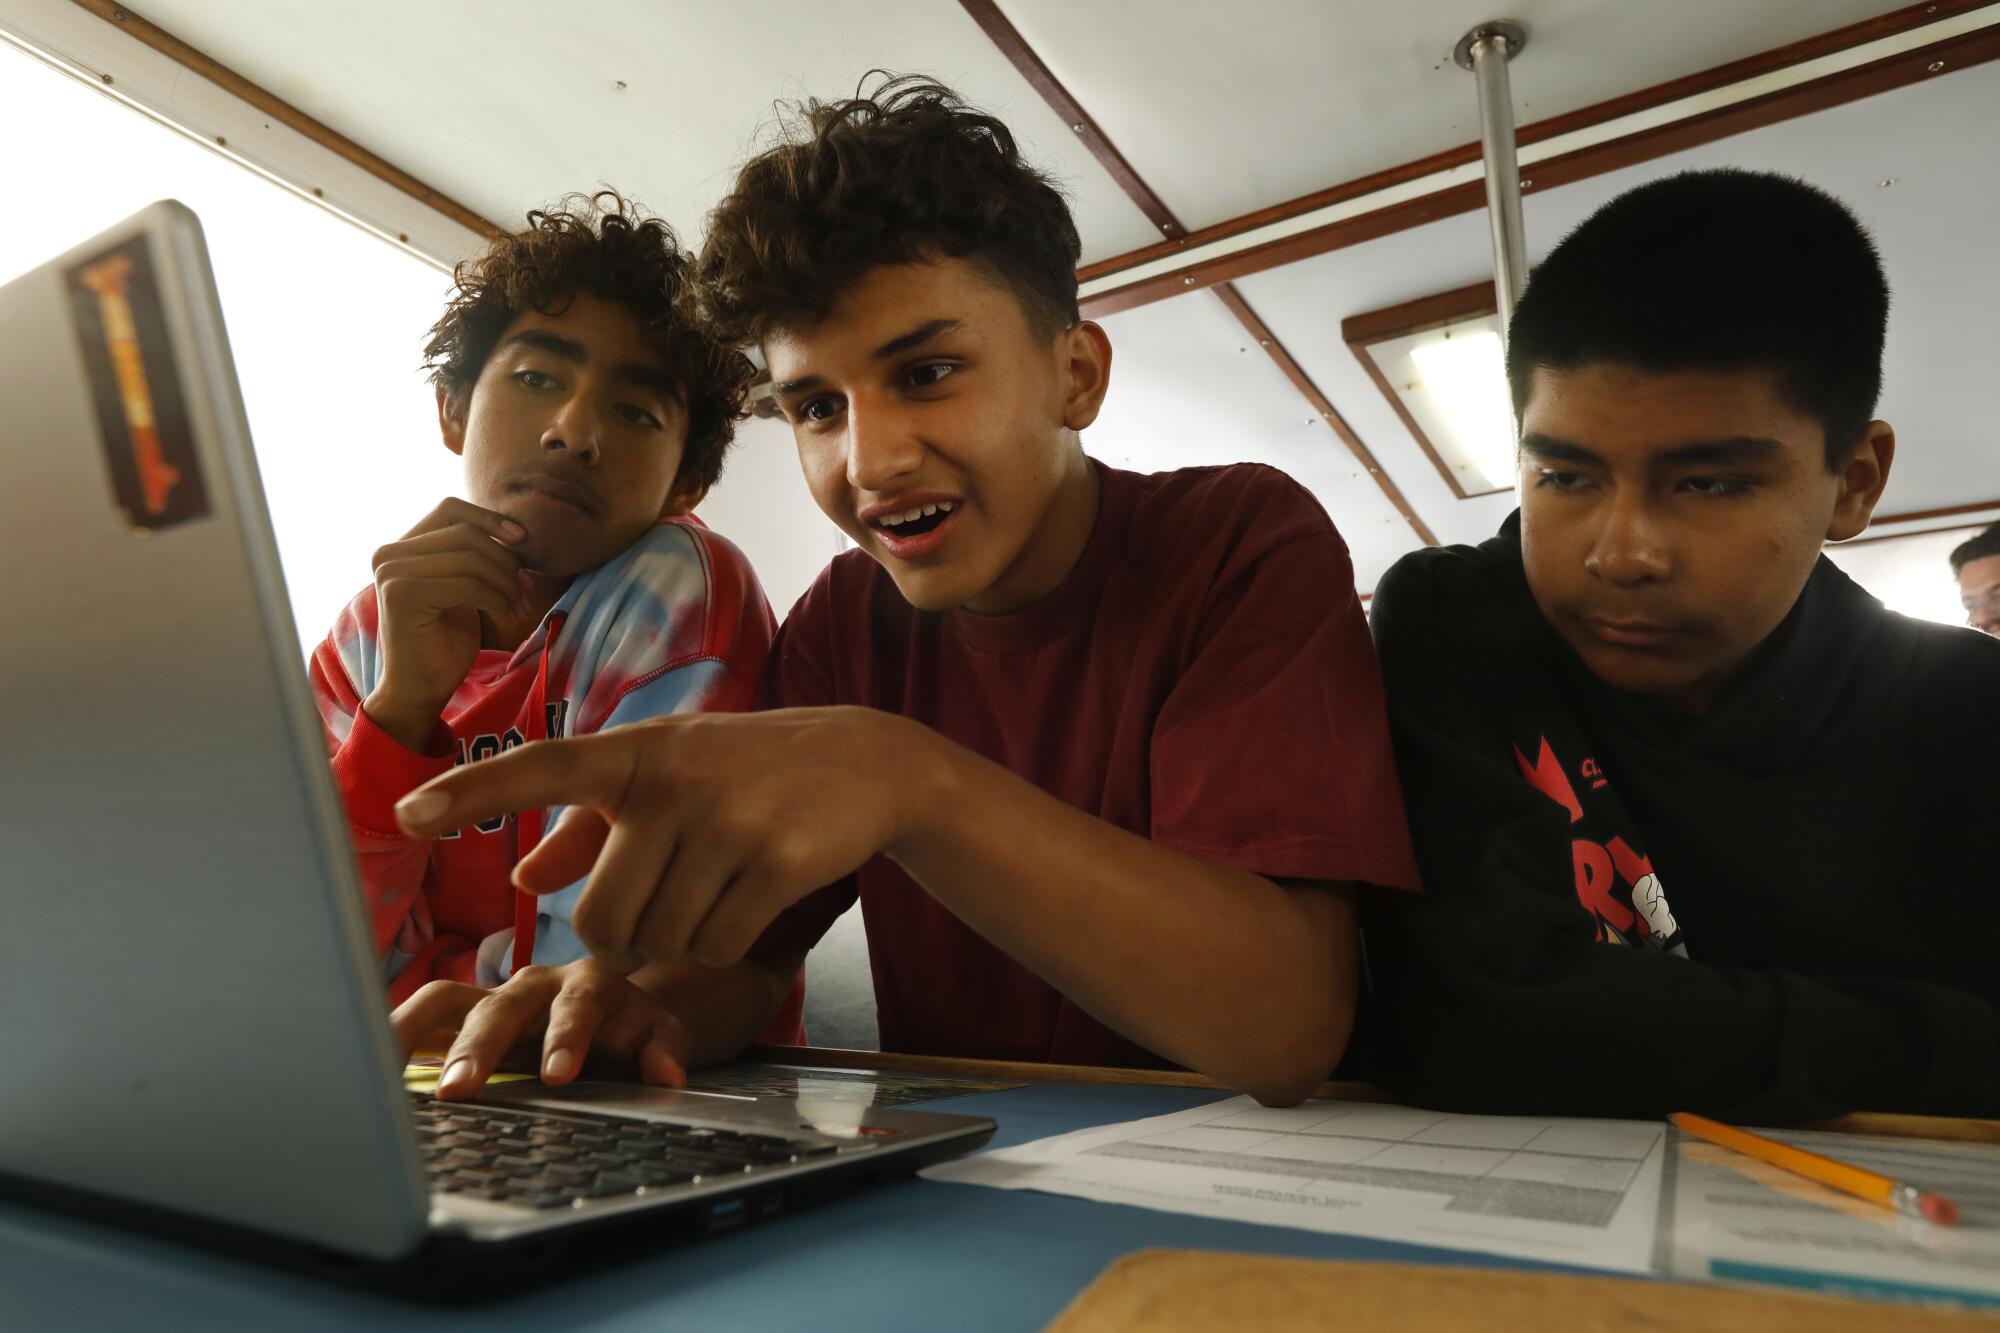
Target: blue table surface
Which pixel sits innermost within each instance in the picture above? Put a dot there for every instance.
(912, 1254)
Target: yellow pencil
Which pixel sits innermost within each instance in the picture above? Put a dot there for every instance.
(1900, 1195)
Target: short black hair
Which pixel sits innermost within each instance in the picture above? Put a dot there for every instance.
(1718, 270)
(1985, 544)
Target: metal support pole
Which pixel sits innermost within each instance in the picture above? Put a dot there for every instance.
(1485, 51)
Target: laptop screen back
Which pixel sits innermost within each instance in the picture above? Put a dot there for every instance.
(194, 1016)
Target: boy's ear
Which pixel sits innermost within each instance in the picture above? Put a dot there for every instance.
(1861, 482)
(451, 424)
(1085, 352)
(683, 499)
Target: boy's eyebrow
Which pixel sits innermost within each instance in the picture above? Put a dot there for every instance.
(902, 342)
(1557, 451)
(632, 372)
(569, 349)
(1735, 451)
(574, 352)
(916, 337)
(785, 388)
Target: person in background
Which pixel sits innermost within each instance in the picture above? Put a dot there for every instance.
(1976, 564)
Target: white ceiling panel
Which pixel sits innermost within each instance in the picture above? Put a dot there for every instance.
(1228, 108)
(503, 104)
(1934, 225)
(1189, 388)
(763, 505)
(1304, 305)
(1910, 574)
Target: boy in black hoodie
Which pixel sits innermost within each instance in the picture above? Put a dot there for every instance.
(1701, 825)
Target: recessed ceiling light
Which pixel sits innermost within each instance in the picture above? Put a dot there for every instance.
(1464, 374)
(1439, 362)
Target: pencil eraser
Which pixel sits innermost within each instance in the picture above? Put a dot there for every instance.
(1939, 1210)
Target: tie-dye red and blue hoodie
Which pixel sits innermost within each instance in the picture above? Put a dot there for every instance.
(677, 623)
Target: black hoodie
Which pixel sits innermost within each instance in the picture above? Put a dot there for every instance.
(1786, 908)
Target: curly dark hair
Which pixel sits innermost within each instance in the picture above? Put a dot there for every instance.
(906, 174)
(609, 248)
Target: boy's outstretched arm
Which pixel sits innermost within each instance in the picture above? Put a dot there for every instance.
(675, 624)
(697, 832)
(1246, 979)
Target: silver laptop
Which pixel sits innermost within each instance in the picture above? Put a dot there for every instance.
(195, 1021)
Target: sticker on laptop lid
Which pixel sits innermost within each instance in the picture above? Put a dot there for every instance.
(142, 421)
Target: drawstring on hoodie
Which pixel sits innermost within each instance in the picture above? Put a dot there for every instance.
(529, 827)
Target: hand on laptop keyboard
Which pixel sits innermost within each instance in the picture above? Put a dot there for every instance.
(580, 1008)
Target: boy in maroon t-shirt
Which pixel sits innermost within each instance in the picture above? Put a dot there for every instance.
(1119, 761)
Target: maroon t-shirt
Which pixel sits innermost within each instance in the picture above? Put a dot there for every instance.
(1203, 678)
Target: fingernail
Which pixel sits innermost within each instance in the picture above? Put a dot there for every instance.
(560, 1065)
(662, 1070)
(512, 531)
(456, 1075)
(422, 807)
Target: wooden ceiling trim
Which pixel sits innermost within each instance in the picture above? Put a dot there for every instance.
(1426, 312)
(1007, 37)
(1721, 76)
(1233, 301)
(1361, 332)
(1911, 536)
(122, 17)
(1920, 515)
(1861, 81)
(1004, 35)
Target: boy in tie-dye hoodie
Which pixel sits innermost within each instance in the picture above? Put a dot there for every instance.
(572, 591)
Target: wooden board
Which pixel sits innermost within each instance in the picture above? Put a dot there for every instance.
(1186, 1291)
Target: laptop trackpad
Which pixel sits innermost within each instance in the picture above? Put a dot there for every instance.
(770, 1115)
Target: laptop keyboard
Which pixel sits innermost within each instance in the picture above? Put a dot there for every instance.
(538, 1159)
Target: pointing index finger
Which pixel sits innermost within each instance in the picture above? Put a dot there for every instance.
(591, 771)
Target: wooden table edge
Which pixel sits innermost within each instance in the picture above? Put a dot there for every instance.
(1022, 1071)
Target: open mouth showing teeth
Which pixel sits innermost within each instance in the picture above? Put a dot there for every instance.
(915, 522)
